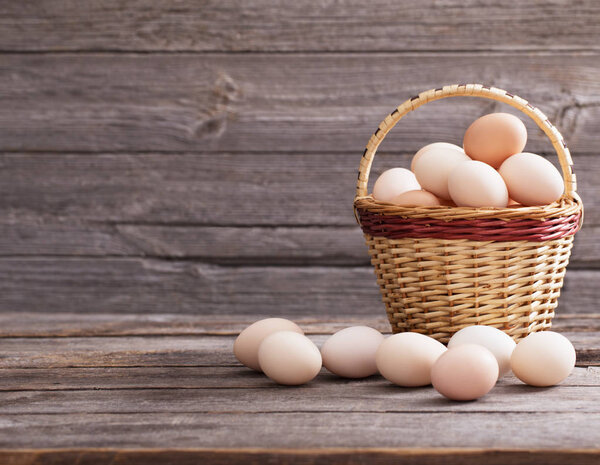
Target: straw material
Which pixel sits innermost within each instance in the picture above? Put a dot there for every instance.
(443, 268)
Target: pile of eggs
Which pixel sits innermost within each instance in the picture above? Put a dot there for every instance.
(467, 369)
(490, 170)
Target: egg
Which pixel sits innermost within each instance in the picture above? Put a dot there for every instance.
(418, 198)
(477, 184)
(531, 179)
(394, 182)
(512, 203)
(351, 352)
(290, 358)
(247, 343)
(496, 341)
(465, 372)
(406, 359)
(543, 359)
(435, 145)
(495, 137)
(433, 167)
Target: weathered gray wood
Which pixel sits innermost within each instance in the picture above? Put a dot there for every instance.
(320, 456)
(136, 285)
(49, 325)
(174, 351)
(129, 191)
(282, 245)
(210, 377)
(281, 102)
(301, 26)
(374, 395)
(562, 430)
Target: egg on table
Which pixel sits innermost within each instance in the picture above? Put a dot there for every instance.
(531, 179)
(247, 343)
(434, 166)
(290, 358)
(500, 344)
(476, 184)
(465, 372)
(406, 359)
(495, 137)
(544, 358)
(394, 182)
(350, 352)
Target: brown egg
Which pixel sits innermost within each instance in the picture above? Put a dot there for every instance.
(416, 198)
(495, 137)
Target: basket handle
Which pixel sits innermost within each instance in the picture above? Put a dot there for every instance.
(470, 90)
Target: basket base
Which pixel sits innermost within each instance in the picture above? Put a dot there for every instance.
(438, 286)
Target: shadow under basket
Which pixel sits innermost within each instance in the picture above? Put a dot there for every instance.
(443, 268)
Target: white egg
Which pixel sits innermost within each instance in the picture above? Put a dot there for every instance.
(496, 341)
(351, 352)
(406, 359)
(543, 359)
(435, 145)
(394, 182)
(434, 166)
(247, 343)
(531, 179)
(476, 184)
(289, 358)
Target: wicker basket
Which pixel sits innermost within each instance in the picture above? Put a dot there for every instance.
(443, 268)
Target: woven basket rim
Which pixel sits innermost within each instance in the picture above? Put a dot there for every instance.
(565, 206)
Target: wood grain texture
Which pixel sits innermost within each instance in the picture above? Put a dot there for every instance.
(320, 456)
(56, 325)
(277, 102)
(365, 396)
(263, 25)
(138, 285)
(130, 395)
(206, 377)
(174, 351)
(571, 430)
(120, 194)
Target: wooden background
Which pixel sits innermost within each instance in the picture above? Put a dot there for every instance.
(199, 157)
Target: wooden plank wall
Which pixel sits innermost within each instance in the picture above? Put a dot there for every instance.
(200, 157)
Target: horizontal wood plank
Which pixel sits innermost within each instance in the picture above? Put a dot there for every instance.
(320, 456)
(220, 245)
(281, 102)
(127, 197)
(174, 351)
(51, 325)
(570, 430)
(263, 25)
(137, 285)
(375, 395)
(209, 377)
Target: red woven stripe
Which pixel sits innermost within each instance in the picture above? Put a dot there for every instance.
(397, 227)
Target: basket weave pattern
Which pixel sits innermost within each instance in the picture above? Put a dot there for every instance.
(443, 268)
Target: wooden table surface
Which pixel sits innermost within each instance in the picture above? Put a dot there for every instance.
(126, 389)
